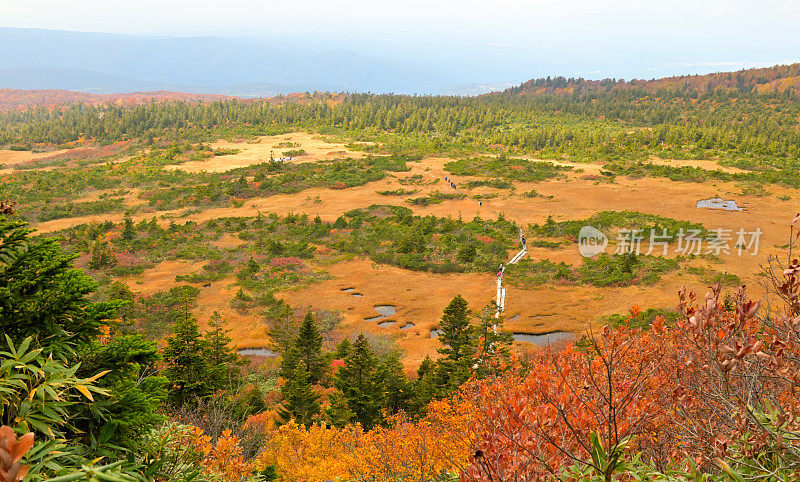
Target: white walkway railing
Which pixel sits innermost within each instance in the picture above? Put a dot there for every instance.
(501, 292)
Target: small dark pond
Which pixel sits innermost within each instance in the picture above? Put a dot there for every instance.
(384, 311)
(258, 352)
(544, 339)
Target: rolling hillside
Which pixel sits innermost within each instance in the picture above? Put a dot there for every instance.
(12, 99)
(762, 80)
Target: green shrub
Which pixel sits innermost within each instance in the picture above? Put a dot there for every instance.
(414, 179)
(533, 273)
(711, 276)
(534, 194)
(435, 198)
(603, 270)
(624, 270)
(506, 168)
(493, 183)
(397, 192)
(641, 319)
(49, 212)
(225, 152)
(393, 235)
(607, 220)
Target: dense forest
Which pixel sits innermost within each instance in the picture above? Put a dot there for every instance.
(706, 116)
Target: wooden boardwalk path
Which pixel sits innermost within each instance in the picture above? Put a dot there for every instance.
(501, 292)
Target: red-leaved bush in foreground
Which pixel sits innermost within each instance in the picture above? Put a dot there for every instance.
(719, 384)
(12, 449)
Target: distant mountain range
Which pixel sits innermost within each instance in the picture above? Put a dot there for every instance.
(109, 63)
(775, 79)
(100, 63)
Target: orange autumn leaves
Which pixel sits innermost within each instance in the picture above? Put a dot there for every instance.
(690, 390)
(532, 426)
(223, 459)
(670, 393)
(12, 449)
(404, 450)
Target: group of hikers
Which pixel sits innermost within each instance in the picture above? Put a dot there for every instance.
(280, 159)
(453, 185)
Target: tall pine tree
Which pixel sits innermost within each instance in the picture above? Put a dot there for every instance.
(42, 295)
(424, 386)
(224, 364)
(299, 400)
(186, 367)
(361, 383)
(308, 349)
(399, 391)
(457, 336)
(128, 229)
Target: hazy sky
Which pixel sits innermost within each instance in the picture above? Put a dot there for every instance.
(627, 36)
(510, 18)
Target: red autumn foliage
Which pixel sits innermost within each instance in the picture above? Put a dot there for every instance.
(691, 389)
(286, 261)
(12, 449)
(762, 80)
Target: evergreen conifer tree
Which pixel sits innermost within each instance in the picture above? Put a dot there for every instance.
(42, 295)
(308, 349)
(424, 387)
(186, 366)
(457, 336)
(343, 349)
(128, 230)
(362, 385)
(456, 329)
(223, 362)
(399, 391)
(300, 402)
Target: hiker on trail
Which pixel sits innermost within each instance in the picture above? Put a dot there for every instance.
(480, 203)
(523, 239)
